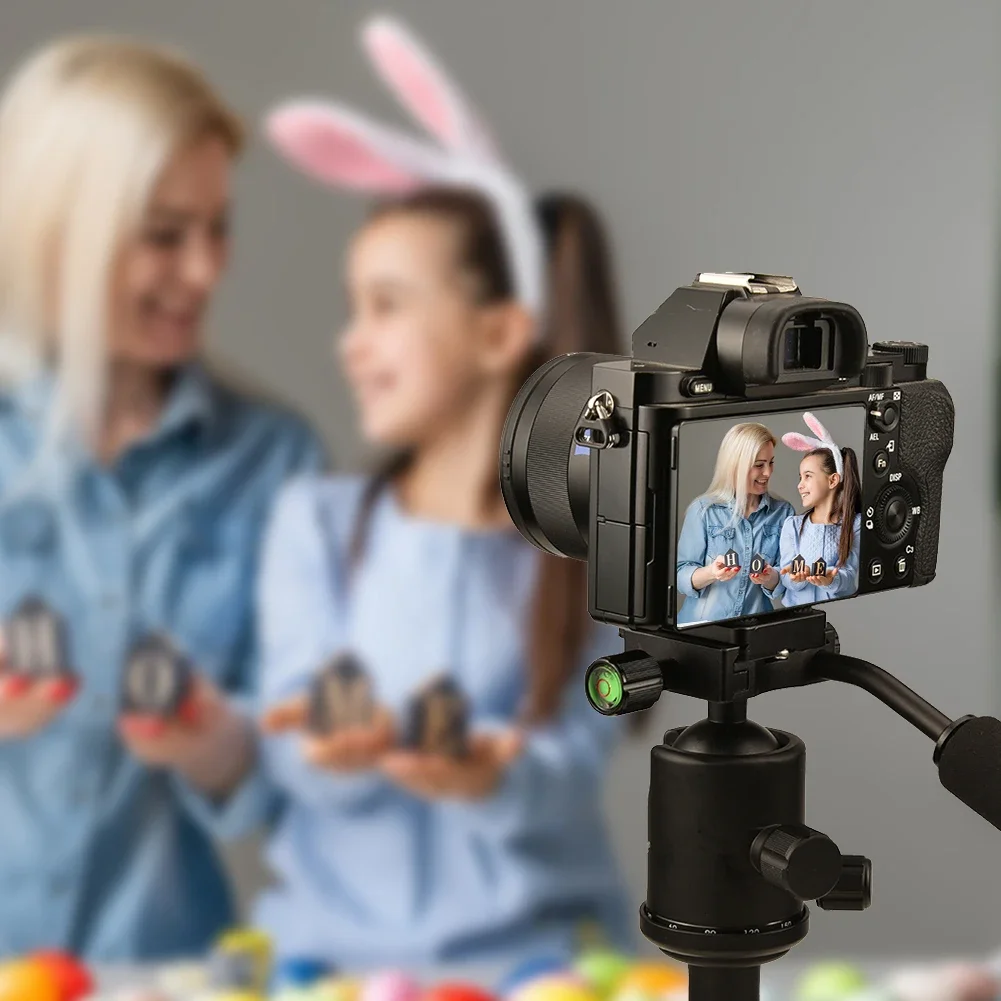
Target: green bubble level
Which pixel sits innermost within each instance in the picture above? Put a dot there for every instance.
(604, 687)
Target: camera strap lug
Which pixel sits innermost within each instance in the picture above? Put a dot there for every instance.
(598, 426)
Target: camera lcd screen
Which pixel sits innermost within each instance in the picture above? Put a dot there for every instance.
(769, 512)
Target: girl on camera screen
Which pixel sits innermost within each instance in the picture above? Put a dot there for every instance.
(828, 530)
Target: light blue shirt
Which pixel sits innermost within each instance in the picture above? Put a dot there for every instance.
(99, 854)
(368, 874)
(802, 537)
(709, 530)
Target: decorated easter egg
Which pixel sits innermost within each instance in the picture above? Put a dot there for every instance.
(603, 969)
(305, 992)
(555, 987)
(26, 978)
(829, 982)
(72, 979)
(651, 982)
(943, 983)
(391, 985)
(457, 991)
(336, 989)
(300, 971)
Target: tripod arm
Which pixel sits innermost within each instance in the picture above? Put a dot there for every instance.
(967, 750)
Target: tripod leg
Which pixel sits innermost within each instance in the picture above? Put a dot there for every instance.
(709, 983)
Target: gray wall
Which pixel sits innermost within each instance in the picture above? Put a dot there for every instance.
(851, 145)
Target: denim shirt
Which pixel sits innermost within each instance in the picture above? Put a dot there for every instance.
(369, 875)
(813, 542)
(710, 531)
(99, 854)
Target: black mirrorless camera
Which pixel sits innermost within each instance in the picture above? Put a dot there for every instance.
(603, 455)
(752, 458)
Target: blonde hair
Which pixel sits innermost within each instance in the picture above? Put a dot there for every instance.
(87, 125)
(737, 454)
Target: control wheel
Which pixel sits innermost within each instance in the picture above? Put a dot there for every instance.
(894, 517)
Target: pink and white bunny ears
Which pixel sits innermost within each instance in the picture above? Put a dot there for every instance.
(803, 443)
(346, 149)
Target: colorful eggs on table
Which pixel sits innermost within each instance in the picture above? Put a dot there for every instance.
(457, 991)
(337, 989)
(943, 983)
(241, 963)
(72, 979)
(603, 969)
(567, 986)
(829, 982)
(299, 972)
(390, 986)
(652, 982)
(28, 980)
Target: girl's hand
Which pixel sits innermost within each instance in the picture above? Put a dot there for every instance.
(797, 578)
(768, 578)
(356, 748)
(824, 581)
(209, 743)
(27, 706)
(476, 776)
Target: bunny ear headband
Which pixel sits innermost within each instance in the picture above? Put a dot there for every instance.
(345, 148)
(803, 443)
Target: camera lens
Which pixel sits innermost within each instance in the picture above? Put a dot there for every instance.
(544, 473)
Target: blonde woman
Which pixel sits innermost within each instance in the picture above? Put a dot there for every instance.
(736, 513)
(133, 487)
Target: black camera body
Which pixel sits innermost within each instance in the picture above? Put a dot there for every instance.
(593, 444)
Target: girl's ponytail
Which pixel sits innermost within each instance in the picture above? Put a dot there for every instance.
(847, 503)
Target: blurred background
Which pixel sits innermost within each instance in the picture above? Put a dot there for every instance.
(851, 145)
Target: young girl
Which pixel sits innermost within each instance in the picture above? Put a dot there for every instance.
(829, 527)
(390, 856)
(133, 490)
(737, 513)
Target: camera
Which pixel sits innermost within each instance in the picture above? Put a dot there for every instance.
(752, 454)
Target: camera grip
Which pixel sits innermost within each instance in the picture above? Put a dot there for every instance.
(927, 423)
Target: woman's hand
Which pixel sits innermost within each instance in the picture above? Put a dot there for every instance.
(823, 581)
(476, 776)
(351, 749)
(26, 706)
(209, 743)
(768, 578)
(715, 571)
(796, 578)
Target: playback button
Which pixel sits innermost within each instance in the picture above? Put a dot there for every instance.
(876, 570)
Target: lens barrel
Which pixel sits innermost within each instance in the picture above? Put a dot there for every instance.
(544, 475)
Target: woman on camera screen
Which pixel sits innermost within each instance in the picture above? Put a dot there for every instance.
(729, 525)
(828, 530)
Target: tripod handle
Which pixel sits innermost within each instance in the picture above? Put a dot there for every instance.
(967, 750)
(968, 756)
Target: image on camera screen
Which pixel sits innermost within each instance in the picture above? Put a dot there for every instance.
(769, 512)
